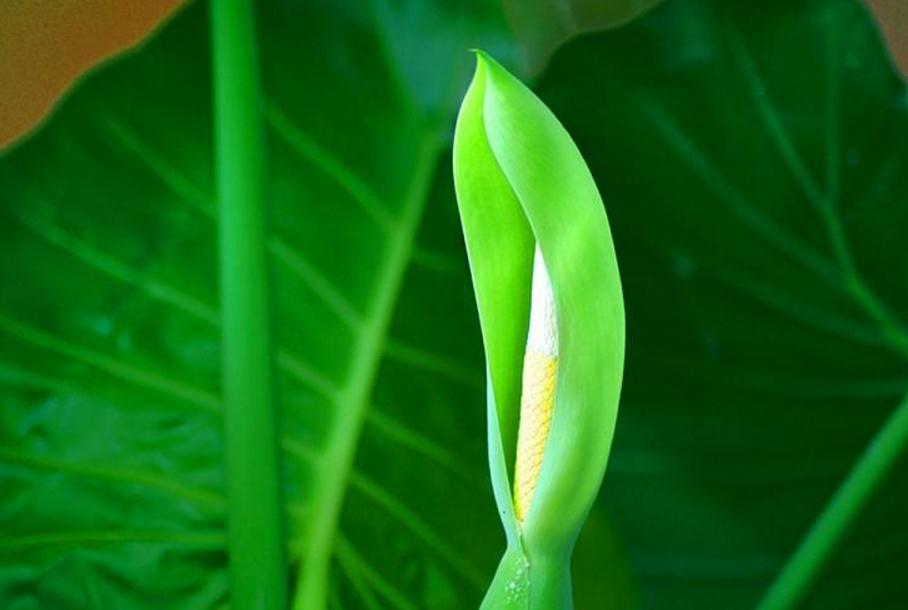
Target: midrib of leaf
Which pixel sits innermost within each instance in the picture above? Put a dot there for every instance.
(809, 558)
(337, 460)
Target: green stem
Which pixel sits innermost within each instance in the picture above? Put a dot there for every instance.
(255, 537)
(550, 585)
(812, 554)
(542, 583)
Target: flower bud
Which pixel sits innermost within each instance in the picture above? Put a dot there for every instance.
(552, 316)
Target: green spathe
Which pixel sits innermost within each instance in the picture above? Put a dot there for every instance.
(520, 180)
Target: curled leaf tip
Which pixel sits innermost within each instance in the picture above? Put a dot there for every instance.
(552, 317)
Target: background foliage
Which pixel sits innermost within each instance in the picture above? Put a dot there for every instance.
(731, 146)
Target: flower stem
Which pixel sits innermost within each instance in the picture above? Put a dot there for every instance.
(255, 537)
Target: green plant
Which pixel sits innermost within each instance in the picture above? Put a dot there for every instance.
(738, 148)
(523, 187)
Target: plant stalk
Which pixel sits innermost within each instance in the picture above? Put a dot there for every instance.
(811, 556)
(254, 516)
(550, 585)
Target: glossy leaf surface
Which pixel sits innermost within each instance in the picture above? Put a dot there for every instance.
(754, 377)
(111, 484)
(752, 160)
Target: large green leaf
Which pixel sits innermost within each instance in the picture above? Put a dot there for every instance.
(752, 160)
(111, 482)
(542, 26)
(109, 289)
(755, 376)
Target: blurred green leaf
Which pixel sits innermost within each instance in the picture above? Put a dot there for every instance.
(754, 377)
(752, 161)
(542, 26)
(111, 482)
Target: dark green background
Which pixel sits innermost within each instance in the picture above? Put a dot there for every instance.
(754, 376)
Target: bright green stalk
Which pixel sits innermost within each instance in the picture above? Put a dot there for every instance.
(255, 537)
(818, 545)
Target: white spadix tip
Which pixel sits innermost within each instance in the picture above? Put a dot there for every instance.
(543, 333)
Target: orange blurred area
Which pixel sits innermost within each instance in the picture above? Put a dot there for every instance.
(46, 44)
(893, 18)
